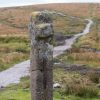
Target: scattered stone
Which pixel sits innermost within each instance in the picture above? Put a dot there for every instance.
(56, 85)
(1, 87)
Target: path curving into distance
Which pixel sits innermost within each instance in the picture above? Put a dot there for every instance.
(69, 42)
(13, 74)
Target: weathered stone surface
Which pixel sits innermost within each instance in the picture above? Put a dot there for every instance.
(36, 85)
(41, 36)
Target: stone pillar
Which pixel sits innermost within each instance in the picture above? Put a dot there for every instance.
(41, 35)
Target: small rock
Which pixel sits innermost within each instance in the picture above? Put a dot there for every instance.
(56, 85)
(1, 87)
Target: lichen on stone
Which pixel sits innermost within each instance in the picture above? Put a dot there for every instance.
(42, 25)
(34, 14)
(44, 30)
(42, 17)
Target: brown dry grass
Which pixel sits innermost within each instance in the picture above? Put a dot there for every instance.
(84, 57)
(74, 9)
(15, 20)
(91, 40)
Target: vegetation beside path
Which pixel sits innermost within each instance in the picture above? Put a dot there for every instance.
(74, 87)
(86, 50)
(15, 48)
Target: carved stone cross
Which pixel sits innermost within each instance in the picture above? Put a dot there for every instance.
(41, 36)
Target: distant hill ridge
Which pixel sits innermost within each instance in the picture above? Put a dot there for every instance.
(14, 20)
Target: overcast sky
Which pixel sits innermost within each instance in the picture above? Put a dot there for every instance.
(9, 3)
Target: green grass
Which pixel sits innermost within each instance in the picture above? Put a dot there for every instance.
(78, 85)
(71, 97)
(20, 94)
(11, 39)
(21, 91)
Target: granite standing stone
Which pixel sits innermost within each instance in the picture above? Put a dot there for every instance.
(41, 36)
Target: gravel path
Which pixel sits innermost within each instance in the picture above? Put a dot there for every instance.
(13, 74)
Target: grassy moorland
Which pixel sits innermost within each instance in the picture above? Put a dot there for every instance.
(74, 87)
(85, 50)
(14, 22)
(91, 40)
(14, 48)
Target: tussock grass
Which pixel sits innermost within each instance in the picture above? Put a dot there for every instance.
(92, 39)
(9, 59)
(94, 77)
(74, 87)
(91, 59)
(13, 39)
(85, 49)
(75, 84)
(13, 50)
(68, 26)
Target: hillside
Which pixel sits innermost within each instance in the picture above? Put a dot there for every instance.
(15, 20)
(84, 56)
(14, 42)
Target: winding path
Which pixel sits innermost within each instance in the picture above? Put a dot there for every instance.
(13, 74)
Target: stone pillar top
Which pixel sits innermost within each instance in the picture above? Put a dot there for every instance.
(41, 17)
(41, 23)
(41, 35)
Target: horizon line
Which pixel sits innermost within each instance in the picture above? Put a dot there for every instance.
(25, 5)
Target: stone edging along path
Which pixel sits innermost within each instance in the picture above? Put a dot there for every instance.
(13, 74)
